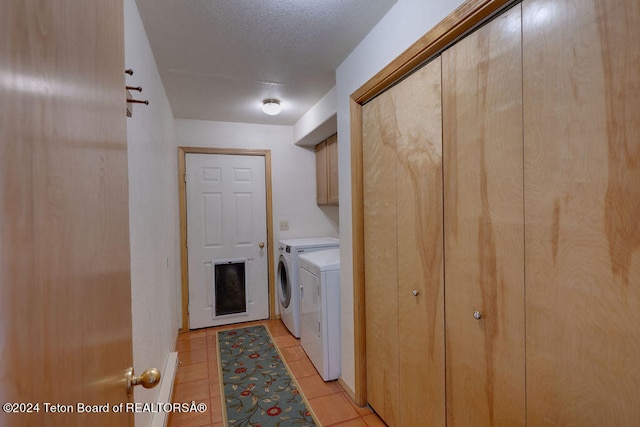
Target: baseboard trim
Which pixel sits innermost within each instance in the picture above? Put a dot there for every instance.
(166, 389)
(347, 390)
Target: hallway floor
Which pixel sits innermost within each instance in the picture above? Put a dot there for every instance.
(197, 379)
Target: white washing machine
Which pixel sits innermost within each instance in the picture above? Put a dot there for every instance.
(320, 310)
(287, 280)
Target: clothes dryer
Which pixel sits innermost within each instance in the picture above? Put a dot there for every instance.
(287, 277)
(320, 311)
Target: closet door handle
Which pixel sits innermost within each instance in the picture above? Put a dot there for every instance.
(415, 293)
(477, 315)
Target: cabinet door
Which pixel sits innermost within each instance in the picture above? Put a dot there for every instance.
(321, 173)
(381, 257)
(582, 195)
(483, 223)
(332, 170)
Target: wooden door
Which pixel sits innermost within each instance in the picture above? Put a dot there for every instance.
(226, 223)
(65, 296)
(321, 174)
(483, 225)
(418, 113)
(332, 170)
(403, 251)
(381, 257)
(582, 193)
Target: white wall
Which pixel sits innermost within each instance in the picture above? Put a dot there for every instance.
(293, 176)
(405, 23)
(153, 212)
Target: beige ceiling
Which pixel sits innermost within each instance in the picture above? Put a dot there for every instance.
(219, 59)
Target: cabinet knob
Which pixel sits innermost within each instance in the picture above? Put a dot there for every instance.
(415, 293)
(477, 315)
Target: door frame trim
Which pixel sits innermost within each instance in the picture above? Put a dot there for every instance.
(466, 18)
(182, 185)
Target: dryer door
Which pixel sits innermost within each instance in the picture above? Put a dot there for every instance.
(284, 285)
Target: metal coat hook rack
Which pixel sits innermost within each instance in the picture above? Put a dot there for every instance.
(130, 100)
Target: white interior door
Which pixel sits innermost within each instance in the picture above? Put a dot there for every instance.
(226, 239)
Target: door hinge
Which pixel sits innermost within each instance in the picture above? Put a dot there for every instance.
(185, 177)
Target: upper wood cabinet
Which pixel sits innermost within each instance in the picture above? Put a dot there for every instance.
(327, 171)
(321, 173)
(332, 170)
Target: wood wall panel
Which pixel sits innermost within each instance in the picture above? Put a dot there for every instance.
(483, 225)
(582, 204)
(381, 254)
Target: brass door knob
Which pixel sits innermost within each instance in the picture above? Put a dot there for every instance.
(261, 245)
(149, 379)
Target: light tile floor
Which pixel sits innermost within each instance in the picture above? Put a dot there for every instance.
(197, 379)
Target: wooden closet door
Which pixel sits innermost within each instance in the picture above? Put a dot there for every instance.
(381, 256)
(402, 161)
(483, 225)
(582, 204)
(418, 111)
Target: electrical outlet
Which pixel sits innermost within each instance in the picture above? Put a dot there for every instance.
(284, 225)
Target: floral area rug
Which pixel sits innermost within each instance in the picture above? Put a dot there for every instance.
(258, 389)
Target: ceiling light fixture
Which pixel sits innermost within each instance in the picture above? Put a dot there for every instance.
(271, 107)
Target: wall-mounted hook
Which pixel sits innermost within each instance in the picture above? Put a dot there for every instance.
(131, 101)
(138, 88)
(129, 71)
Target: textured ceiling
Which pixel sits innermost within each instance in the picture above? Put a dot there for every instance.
(218, 59)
